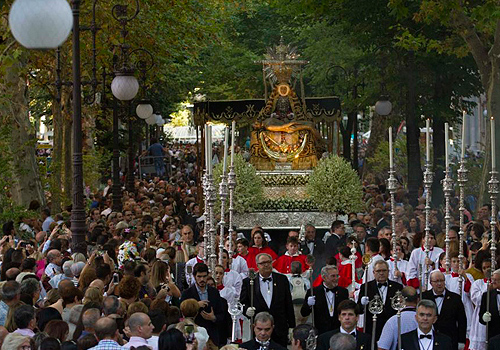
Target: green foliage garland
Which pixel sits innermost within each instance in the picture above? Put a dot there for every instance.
(335, 187)
(249, 191)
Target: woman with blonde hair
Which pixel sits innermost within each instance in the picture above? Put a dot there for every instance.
(93, 295)
(160, 278)
(10, 324)
(16, 341)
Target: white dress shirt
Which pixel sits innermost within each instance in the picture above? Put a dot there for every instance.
(425, 343)
(266, 289)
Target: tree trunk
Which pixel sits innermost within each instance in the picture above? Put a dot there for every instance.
(346, 135)
(376, 135)
(57, 154)
(412, 136)
(26, 185)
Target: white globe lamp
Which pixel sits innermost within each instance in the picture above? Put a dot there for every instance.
(144, 110)
(383, 106)
(151, 120)
(37, 24)
(125, 86)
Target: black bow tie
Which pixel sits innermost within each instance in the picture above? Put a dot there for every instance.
(267, 279)
(263, 343)
(332, 290)
(428, 336)
(381, 284)
(310, 242)
(439, 296)
(353, 333)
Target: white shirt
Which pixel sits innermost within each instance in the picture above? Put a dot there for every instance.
(369, 276)
(52, 269)
(353, 332)
(330, 300)
(239, 265)
(439, 301)
(417, 258)
(153, 342)
(266, 289)
(425, 343)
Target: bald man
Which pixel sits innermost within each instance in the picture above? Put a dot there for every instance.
(452, 320)
(106, 331)
(141, 329)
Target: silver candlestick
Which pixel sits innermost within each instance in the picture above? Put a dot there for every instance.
(462, 181)
(206, 226)
(223, 197)
(428, 177)
(392, 186)
(398, 303)
(448, 192)
(231, 184)
(235, 310)
(211, 197)
(493, 189)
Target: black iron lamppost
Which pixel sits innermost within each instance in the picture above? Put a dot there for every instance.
(46, 25)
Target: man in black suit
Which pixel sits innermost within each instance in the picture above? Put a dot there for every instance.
(271, 293)
(211, 308)
(325, 301)
(494, 323)
(451, 318)
(336, 239)
(348, 312)
(313, 246)
(263, 328)
(385, 289)
(424, 337)
(494, 343)
(378, 219)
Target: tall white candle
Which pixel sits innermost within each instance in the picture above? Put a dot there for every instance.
(493, 143)
(233, 129)
(391, 159)
(226, 136)
(464, 115)
(446, 142)
(428, 140)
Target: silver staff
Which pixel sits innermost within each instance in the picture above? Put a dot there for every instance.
(212, 257)
(392, 186)
(231, 184)
(235, 310)
(367, 259)
(398, 303)
(223, 198)
(462, 181)
(493, 189)
(428, 176)
(352, 261)
(487, 314)
(376, 306)
(252, 275)
(206, 223)
(448, 192)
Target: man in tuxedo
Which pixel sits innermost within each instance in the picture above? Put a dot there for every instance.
(424, 336)
(313, 246)
(451, 319)
(348, 312)
(263, 328)
(378, 219)
(494, 343)
(385, 289)
(325, 300)
(211, 306)
(271, 293)
(301, 335)
(336, 238)
(494, 323)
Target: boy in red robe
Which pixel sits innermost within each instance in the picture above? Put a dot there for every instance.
(284, 263)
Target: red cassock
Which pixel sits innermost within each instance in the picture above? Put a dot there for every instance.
(250, 259)
(267, 250)
(284, 262)
(345, 275)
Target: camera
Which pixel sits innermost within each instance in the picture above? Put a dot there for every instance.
(116, 278)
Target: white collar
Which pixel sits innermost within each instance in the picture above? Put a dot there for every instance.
(288, 254)
(342, 330)
(444, 292)
(419, 332)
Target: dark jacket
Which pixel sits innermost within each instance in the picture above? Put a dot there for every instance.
(363, 340)
(452, 320)
(409, 341)
(215, 303)
(281, 305)
(322, 320)
(494, 324)
(253, 345)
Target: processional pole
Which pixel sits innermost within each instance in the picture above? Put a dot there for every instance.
(210, 194)
(206, 228)
(231, 185)
(428, 176)
(223, 198)
(462, 181)
(398, 303)
(448, 191)
(392, 186)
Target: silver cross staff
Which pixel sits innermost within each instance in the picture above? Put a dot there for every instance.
(398, 303)
(235, 310)
(375, 306)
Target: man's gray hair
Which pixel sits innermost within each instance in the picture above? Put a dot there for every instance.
(262, 254)
(90, 317)
(264, 317)
(10, 290)
(30, 286)
(342, 341)
(378, 262)
(111, 305)
(496, 272)
(326, 268)
(67, 268)
(429, 304)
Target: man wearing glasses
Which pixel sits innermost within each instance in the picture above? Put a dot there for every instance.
(385, 289)
(451, 319)
(271, 293)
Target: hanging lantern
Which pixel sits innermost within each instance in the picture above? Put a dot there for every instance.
(383, 106)
(151, 120)
(125, 86)
(144, 110)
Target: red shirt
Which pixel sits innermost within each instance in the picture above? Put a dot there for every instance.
(250, 259)
(255, 251)
(284, 263)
